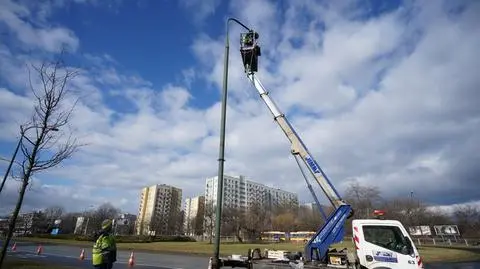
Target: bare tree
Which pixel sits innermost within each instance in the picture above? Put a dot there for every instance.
(309, 219)
(53, 213)
(362, 198)
(152, 226)
(69, 221)
(43, 149)
(209, 219)
(434, 216)
(408, 211)
(284, 222)
(468, 219)
(190, 224)
(232, 221)
(155, 226)
(198, 222)
(180, 219)
(44, 221)
(104, 211)
(143, 227)
(256, 221)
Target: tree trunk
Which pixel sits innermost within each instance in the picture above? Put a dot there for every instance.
(237, 234)
(211, 234)
(11, 225)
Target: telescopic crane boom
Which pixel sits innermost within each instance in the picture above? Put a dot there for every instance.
(332, 231)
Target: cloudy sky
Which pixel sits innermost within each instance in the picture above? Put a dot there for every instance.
(386, 94)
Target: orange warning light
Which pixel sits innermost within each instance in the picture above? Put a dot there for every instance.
(378, 213)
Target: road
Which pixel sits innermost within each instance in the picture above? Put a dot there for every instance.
(461, 265)
(69, 255)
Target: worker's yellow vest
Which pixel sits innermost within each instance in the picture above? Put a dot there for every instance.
(104, 250)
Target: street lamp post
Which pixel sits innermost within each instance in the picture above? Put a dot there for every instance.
(221, 155)
(22, 134)
(11, 163)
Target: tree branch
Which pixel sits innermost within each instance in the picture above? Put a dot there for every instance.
(48, 117)
(14, 161)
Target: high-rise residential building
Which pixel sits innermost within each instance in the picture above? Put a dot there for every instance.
(159, 212)
(242, 193)
(194, 213)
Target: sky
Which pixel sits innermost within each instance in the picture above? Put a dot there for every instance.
(384, 94)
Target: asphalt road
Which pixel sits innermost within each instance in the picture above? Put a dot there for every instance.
(69, 255)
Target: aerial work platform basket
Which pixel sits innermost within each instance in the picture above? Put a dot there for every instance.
(250, 50)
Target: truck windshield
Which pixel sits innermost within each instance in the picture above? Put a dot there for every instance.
(389, 237)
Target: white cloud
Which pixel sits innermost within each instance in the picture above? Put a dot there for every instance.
(175, 97)
(388, 103)
(381, 108)
(14, 111)
(200, 9)
(51, 39)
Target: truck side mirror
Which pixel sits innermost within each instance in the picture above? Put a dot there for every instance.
(409, 246)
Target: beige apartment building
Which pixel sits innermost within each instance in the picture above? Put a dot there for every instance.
(194, 213)
(159, 212)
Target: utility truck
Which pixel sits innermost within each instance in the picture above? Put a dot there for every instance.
(378, 243)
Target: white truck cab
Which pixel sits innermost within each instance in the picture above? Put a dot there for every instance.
(382, 244)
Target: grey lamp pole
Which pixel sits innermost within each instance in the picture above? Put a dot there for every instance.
(11, 162)
(221, 155)
(22, 133)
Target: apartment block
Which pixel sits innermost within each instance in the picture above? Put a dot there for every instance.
(242, 193)
(194, 213)
(159, 212)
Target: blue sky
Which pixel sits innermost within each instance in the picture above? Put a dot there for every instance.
(152, 41)
(381, 94)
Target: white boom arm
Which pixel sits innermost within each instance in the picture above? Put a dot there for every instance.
(297, 145)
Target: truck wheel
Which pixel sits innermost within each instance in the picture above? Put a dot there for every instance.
(256, 254)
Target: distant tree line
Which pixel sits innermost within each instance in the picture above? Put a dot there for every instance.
(248, 224)
(43, 222)
(412, 211)
(94, 217)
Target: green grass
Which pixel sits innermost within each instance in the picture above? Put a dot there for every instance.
(204, 248)
(429, 253)
(13, 263)
(53, 241)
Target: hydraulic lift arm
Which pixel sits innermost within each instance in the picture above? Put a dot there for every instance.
(332, 231)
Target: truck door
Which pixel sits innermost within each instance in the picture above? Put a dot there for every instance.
(385, 246)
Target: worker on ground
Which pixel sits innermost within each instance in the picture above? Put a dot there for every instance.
(104, 252)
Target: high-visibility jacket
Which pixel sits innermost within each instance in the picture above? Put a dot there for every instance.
(104, 250)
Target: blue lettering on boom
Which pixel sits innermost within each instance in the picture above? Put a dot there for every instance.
(312, 164)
